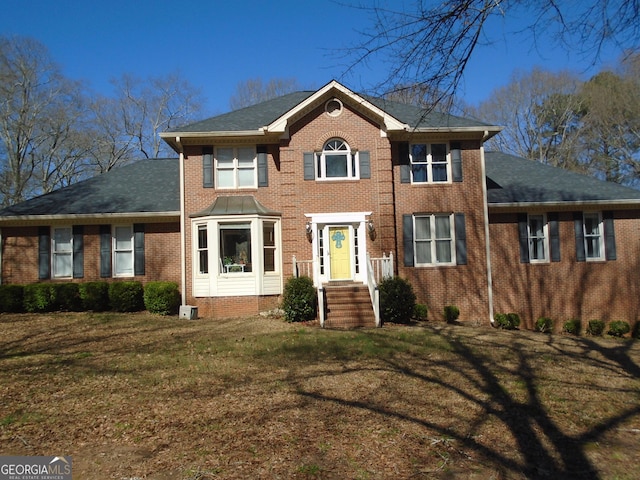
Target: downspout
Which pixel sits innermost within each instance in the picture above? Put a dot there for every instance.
(485, 206)
(183, 241)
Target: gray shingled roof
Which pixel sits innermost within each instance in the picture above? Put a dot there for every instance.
(235, 205)
(262, 114)
(512, 179)
(144, 186)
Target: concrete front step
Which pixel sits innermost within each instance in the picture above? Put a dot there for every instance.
(348, 305)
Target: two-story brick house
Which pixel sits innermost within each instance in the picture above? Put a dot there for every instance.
(320, 182)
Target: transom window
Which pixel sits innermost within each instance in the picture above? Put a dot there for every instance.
(336, 161)
(62, 252)
(538, 241)
(236, 167)
(593, 236)
(430, 163)
(433, 240)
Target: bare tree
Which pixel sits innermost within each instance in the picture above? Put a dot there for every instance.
(430, 45)
(538, 110)
(37, 107)
(253, 91)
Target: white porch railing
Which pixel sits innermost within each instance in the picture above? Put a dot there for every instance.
(378, 269)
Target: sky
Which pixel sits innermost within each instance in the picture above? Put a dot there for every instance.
(217, 44)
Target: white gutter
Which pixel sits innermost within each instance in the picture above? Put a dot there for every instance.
(485, 207)
(183, 241)
(632, 203)
(10, 220)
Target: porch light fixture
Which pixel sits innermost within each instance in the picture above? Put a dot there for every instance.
(371, 229)
(309, 231)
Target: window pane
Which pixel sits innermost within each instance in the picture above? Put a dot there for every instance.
(246, 157)
(537, 248)
(203, 261)
(443, 251)
(593, 247)
(439, 172)
(235, 247)
(123, 238)
(224, 156)
(443, 227)
(418, 153)
(423, 252)
(62, 240)
(536, 226)
(591, 225)
(62, 265)
(336, 165)
(419, 173)
(439, 152)
(123, 263)
(246, 178)
(202, 236)
(423, 228)
(225, 179)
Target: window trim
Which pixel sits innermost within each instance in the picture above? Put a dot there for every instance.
(545, 238)
(115, 251)
(235, 168)
(434, 240)
(600, 237)
(55, 253)
(429, 164)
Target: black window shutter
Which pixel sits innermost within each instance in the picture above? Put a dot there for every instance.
(405, 166)
(407, 239)
(138, 249)
(365, 164)
(554, 236)
(44, 253)
(105, 251)
(78, 251)
(609, 236)
(578, 225)
(309, 167)
(263, 166)
(461, 239)
(456, 162)
(207, 167)
(523, 234)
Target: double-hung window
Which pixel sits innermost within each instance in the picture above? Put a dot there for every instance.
(236, 167)
(430, 163)
(593, 236)
(336, 161)
(433, 240)
(62, 252)
(123, 250)
(538, 238)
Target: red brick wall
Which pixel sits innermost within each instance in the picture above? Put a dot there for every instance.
(20, 254)
(606, 290)
(464, 286)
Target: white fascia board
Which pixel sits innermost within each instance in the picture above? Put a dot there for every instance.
(565, 204)
(280, 124)
(487, 132)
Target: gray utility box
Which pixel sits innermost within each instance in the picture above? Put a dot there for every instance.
(189, 312)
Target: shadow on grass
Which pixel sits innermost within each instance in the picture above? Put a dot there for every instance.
(546, 451)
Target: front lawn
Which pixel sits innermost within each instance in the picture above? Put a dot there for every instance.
(151, 397)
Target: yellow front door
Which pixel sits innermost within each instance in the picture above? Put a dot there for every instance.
(340, 253)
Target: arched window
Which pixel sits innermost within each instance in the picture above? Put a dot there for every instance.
(336, 161)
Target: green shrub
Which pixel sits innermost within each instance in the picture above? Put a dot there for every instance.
(507, 321)
(94, 296)
(619, 328)
(162, 298)
(544, 325)
(126, 296)
(595, 327)
(397, 300)
(68, 297)
(11, 298)
(572, 326)
(420, 311)
(299, 299)
(451, 313)
(40, 297)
